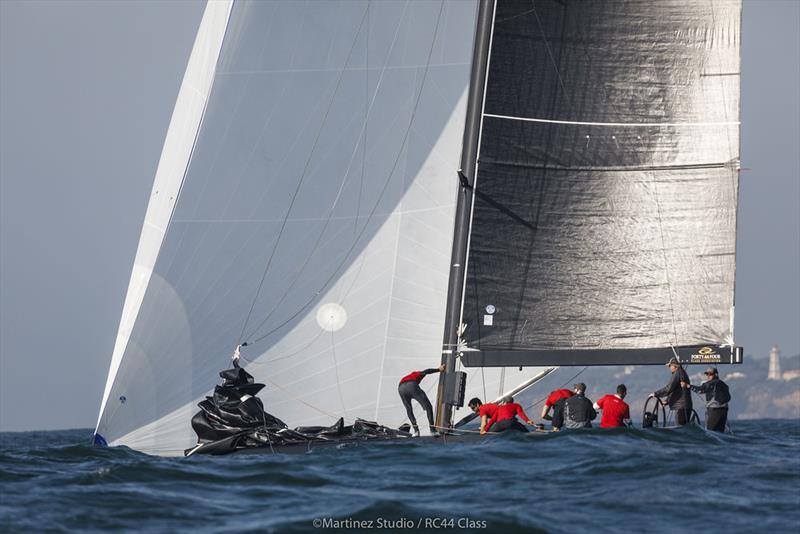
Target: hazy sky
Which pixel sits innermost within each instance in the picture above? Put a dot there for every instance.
(86, 94)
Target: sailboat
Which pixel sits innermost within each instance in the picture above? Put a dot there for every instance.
(546, 182)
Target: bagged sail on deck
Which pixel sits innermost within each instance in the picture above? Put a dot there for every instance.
(604, 223)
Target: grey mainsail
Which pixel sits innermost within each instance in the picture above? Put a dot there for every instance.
(604, 221)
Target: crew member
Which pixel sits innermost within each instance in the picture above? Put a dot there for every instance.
(409, 389)
(484, 411)
(676, 397)
(575, 411)
(505, 417)
(616, 412)
(552, 399)
(717, 398)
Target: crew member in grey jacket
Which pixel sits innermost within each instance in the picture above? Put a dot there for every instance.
(676, 397)
(717, 398)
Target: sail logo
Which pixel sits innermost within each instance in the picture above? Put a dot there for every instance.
(706, 355)
(331, 317)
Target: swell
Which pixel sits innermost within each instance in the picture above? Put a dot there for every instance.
(617, 479)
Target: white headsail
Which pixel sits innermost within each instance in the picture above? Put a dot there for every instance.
(304, 205)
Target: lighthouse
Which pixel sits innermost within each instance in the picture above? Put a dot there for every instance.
(774, 364)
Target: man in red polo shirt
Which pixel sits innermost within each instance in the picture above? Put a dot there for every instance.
(408, 389)
(505, 417)
(552, 399)
(616, 412)
(484, 411)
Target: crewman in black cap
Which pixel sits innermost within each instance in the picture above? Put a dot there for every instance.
(574, 412)
(676, 397)
(717, 398)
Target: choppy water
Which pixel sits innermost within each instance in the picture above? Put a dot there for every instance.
(588, 481)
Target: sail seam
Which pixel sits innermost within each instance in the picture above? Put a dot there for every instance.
(634, 168)
(620, 124)
(400, 216)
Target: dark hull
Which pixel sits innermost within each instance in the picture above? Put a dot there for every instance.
(303, 448)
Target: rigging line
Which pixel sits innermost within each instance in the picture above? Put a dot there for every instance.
(329, 217)
(367, 105)
(464, 430)
(285, 356)
(302, 176)
(275, 220)
(518, 15)
(230, 230)
(336, 374)
(547, 45)
(295, 276)
(301, 401)
(503, 209)
(380, 195)
(618, 124)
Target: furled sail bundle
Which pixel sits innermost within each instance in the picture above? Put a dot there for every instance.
(304, 205)
(233, 419)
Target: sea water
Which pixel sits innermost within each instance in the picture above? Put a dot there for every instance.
(586, 481)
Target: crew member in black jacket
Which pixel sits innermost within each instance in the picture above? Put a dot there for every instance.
(717, 398)
(676, 397)
(574, 412)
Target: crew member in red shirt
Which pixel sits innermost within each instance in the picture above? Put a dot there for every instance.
(552, 399)
(484, 411)
(409, 389)
(616, 412)
(505, 417)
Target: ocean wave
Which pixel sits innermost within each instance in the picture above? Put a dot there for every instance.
(602, 480)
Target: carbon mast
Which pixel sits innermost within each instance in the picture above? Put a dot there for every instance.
(445, 397)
